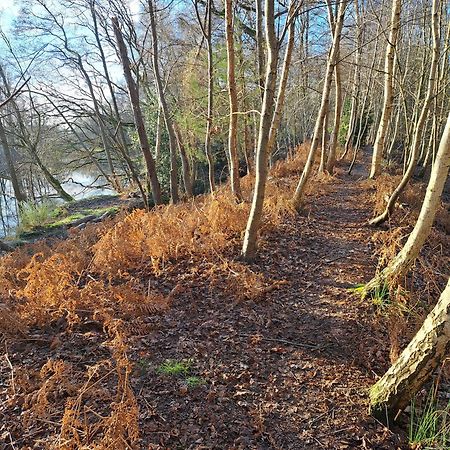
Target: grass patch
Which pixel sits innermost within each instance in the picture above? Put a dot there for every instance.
(32, 216)
(429, 427)
(174, 367)
(193, 382)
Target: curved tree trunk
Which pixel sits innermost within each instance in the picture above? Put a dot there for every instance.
(332, 60)
(262, 153)
(233, 159)
(420, 125)
(378, 148)
(417, 362)
(401, 263)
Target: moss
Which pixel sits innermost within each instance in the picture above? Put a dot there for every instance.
(59, 217)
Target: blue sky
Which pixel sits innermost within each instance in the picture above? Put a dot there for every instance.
(8, 11)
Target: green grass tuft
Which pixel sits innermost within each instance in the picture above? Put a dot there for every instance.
(193, 382)
(429, 428)
(173, 367)
(32, 216)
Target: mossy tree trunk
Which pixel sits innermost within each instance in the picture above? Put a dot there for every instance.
(417, 362)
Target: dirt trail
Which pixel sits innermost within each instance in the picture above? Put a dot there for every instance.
(291, 371)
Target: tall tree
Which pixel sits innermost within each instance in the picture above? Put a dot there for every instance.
(137, 113)
(164, 106)
(378, 147)
(331, 63)
(262, 152)
(233, 159)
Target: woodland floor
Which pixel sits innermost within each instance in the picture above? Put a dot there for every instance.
(288, 371)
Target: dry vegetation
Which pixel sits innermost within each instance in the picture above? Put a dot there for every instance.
(101, 279)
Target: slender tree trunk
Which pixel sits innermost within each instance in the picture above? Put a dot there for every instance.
(164, 107)
(415, 149)
(207, 34)
(233, 100)
(332, 60)
(260, 45)
(187, 176)
(331, 160)
(138, 117)
(18, 194)
(278, 114)
(401, 263)
(421, 357)
(122, 144)
(262, 154)
(355, 88)
(378, 148)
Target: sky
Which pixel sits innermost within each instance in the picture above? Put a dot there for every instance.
(8, 10)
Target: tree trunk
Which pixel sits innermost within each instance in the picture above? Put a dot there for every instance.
(355, 88)
(331, 160)
(138, 117)
(165, 108)
(233, 159)
(417, 362)
(378, 148)
(278, 114)
(332, 60)
(401, 263)
(260, 45)
(187, 177)
(122, 144)
(251, 232)
(18, 194)
(418, 132)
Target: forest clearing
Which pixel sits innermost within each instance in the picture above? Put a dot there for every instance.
(225, 224)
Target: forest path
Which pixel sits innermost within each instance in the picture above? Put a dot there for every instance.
(291, 371)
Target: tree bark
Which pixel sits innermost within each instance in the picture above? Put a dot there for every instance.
(233, 159)
(187, 177)
(378, 148)
(18, 194)
(417, 362)
(404, 259)
(278, 114)
(332, 60)
(164, 107)
(418, 132)
(137, 113)
(251, 232)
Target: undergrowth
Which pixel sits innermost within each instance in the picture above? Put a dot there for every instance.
(100, 278)
(429, 426)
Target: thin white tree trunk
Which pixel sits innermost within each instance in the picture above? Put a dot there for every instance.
(378, 148)
(251, 232)
(405, 258)
(332, 60)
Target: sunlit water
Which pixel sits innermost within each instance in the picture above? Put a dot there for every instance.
(80, 185)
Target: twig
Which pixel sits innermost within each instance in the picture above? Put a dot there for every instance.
(12, 369)
(15, 93)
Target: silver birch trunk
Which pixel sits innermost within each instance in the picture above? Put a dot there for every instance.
(332, 60)
(251, 232)
(378, 148)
